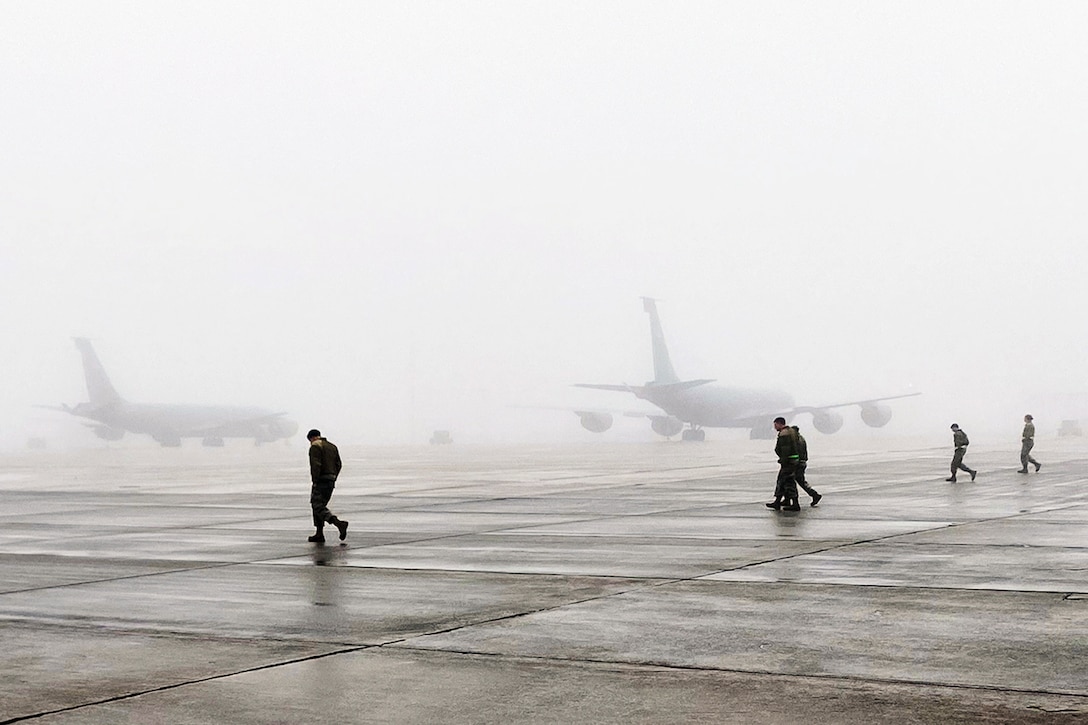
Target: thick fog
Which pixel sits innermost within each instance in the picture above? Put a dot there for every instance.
(387, 218)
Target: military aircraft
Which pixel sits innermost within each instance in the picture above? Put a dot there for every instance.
(167, 423)
(698, 404)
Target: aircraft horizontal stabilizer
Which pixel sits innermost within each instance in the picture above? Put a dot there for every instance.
(617, 388)
(62, 408)
(682, 385)
(637, 389)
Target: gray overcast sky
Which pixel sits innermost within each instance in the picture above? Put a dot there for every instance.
(390, 217)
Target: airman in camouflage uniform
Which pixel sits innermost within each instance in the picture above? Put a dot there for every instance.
(324, 468)
(1026, 444)
(802, 466)
(959, 440)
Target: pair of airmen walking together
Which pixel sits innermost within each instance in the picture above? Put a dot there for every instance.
(792, 451)
(960, 443)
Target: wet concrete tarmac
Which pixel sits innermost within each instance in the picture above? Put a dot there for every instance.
(597, 583)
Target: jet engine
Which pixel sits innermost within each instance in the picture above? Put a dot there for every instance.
(285, 428)
(666, 425)
(595, 422)
(275, 429)
(109, 434)
(826, 421)
(876, 415)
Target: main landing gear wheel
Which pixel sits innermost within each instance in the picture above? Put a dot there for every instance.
(693, 434)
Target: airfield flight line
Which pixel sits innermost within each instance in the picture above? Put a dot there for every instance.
(612, 583)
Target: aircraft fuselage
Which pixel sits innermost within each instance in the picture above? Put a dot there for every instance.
(716, 406)
(168, 421)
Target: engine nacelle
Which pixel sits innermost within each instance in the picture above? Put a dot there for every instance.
(595, 422)
(283, 428)
(109, 434)
(762, 433)
(273, 430)
(826, 421)
(876, 416)
(666, 425)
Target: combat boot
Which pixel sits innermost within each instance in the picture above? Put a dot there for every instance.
(317, 538)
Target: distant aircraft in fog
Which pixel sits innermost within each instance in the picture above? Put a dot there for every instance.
(698, 404)
(167, 423)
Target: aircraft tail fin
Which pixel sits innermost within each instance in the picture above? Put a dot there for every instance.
(100, 390)
(663, 370)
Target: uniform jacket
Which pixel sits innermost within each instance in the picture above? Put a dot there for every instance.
(802, 445)
(324, 460)
(786, 447)
(1029, 431)
(959, 439)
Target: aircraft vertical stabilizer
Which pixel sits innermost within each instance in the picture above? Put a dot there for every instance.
(100, 390)
(663, 370)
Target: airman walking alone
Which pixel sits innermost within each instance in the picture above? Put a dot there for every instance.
(959, 440)
(1026, 444)
(324, 468)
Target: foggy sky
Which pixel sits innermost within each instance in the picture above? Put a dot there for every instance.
(386, 218)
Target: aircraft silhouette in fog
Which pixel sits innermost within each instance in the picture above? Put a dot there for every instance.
(698, 404)
(167, 423)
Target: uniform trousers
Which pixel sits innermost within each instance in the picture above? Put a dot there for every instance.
(320, 493)
(785, 488)
(1025, 453)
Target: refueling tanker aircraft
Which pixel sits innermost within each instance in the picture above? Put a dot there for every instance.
(168, 423)
(698, 404)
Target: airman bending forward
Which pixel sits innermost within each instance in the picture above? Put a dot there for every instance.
(324, 468)
(959, 440)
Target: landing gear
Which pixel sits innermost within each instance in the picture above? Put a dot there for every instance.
(213, 442)
(693, 434)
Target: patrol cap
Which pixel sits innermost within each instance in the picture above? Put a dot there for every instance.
(955, 426)
(314, 433)
(1028, 416)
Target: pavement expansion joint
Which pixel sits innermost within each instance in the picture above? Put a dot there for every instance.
(656, 665)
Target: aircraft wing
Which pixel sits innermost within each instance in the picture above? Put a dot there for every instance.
(869, 401)
(758, 418)
(626, 413)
